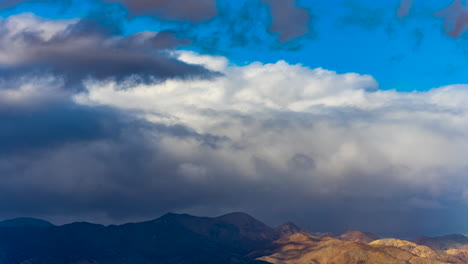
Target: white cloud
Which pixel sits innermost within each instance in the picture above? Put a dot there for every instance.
(271, 113)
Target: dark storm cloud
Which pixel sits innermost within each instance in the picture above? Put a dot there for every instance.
(288, 20)
(129, 172)
(89, 49)
(24, 130)
(72, 160)
(184, 10)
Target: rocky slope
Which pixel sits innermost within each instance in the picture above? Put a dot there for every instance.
(418, 250)
(303, 248)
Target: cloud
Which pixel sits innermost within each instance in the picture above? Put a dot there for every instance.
(456, 18)
(80, 48)
(313, 141)
(328, 150)
(288, 20)
(43, 128)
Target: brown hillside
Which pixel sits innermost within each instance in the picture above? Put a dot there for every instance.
(302, 248)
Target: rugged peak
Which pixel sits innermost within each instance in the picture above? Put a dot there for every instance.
(357, 236)
(25, 222)
(237, 217)
(175, 216)
(288, 228)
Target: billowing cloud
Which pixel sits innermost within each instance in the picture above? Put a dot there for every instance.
(81, 48)
(288, 20)
(327, 150)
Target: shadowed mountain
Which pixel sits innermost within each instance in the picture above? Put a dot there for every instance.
(443, 242)
(25, 222)
(169, 239)
(238, 231)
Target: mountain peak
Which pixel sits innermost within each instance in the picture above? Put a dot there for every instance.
(25, 222)
(288, 228)
(171, 215)
(236, 216)
(357, 236)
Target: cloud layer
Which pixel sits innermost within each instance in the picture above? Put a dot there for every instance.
(328, 150)
(311, 140)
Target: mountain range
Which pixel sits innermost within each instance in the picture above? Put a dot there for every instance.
(235, 238)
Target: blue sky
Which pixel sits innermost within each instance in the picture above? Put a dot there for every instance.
(367, 37)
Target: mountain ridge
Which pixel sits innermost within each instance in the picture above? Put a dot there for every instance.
(234, 238)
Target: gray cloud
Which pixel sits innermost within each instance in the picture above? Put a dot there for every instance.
(456, 18)
(43, 128)
(288, 20)
(328, 151)
(144, 171)
(83, 48)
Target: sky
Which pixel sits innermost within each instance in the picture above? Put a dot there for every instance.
(332, 114)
